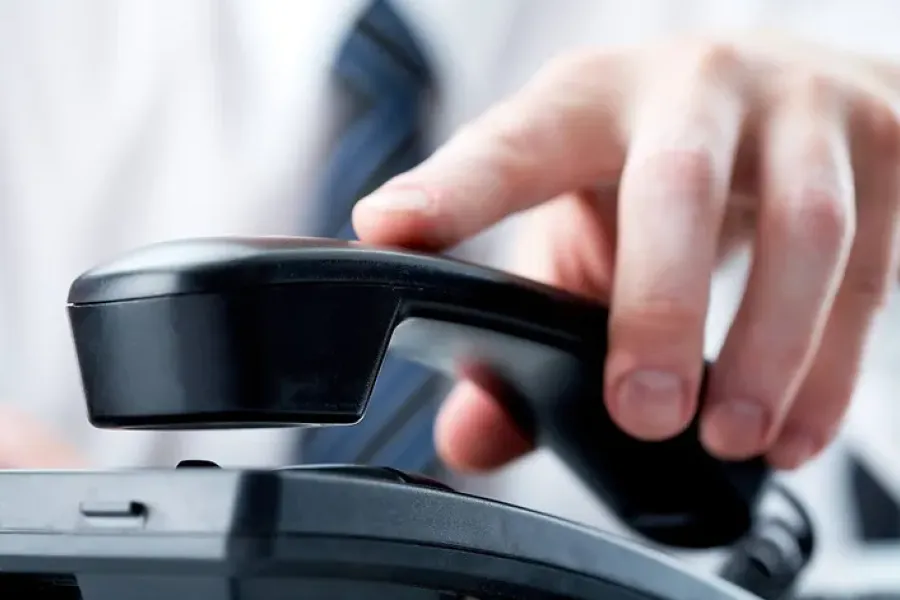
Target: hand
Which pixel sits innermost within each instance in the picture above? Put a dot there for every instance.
(637, 171)
(26, 444)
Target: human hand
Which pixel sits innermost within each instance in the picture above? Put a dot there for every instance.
(27, 444)
(638, 171)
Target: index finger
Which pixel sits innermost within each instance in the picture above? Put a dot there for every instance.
(563, 131)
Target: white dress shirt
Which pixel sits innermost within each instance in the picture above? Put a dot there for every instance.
(124, 122)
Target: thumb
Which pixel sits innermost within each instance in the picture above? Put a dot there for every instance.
(566, 243)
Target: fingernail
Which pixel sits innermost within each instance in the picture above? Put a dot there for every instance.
(652, 404)
(402, 200)
(735, 428)
(792, 450)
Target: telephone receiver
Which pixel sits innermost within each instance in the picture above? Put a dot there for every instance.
(246, 332)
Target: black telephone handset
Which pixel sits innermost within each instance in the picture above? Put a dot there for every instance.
(263, 332)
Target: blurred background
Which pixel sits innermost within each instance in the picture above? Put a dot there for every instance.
(125, 122)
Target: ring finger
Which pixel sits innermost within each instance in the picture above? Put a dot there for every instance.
(805, 227)
(826, 392)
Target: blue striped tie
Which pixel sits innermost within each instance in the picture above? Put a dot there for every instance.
(385, 79)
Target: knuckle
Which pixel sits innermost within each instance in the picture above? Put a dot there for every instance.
(512, 137)
(817, 217)
(867, 286)
(824, 218)
(508, 130)
(712, 59)
(579, 68)
(881, 124)
(815, 87)
(688, 173)
(571, 63)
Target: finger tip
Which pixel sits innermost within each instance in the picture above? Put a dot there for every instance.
(648, 427)
(718, 444)
(648, 404)
(793, 449)
(735, 430)
(378, 223)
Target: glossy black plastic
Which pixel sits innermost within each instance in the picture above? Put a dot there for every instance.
(249, 332)
(291, 534)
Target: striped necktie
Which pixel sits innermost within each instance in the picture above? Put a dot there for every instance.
(384, 78)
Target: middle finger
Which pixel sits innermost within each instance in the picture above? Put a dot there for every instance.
(672, 204)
